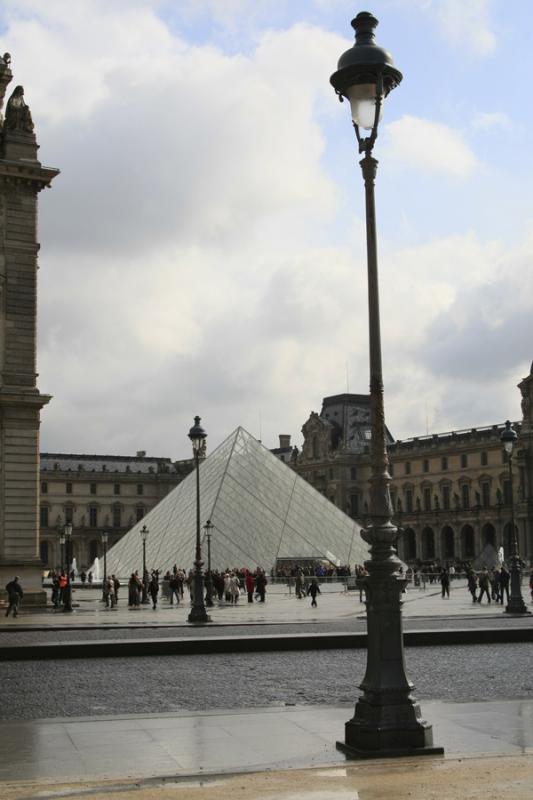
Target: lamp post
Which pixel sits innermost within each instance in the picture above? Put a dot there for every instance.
(516, 603)
(198, 614)
(144, 537)
(105, 537)
(387, 719)
(208, 527)
(67, 591)
(62, 546)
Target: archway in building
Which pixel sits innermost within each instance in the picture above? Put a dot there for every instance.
(468, 540)
(428, 544)
(409, 539)
(488, 535)
(448, 543)
(44, 551)
(508, 540)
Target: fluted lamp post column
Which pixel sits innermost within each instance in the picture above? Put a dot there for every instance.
(105, 537)
(198, 613)
(144, 596)
(67, 591)
(62, 546)
(387, 719)
(208, 528)
(516, 603)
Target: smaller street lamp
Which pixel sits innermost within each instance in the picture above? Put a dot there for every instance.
(516, 603)
(105, 537)
(67, 591)
(144, 537)
(198, 614)
(208, 527)
(62, 545)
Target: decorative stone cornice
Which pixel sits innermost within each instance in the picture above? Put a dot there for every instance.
(31, 174)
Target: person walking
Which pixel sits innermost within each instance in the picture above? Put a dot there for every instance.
(116, 584)
(299, 583)
(472, 584)
(260, 585)
(484, 585)
(313, 590)
(153, 588)
(174, 588)
(505, 578)
(14, 596)
(249, 581)
(445, 583)
(109, 592)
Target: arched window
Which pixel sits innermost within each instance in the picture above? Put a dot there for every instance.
(488, 535)
(93, 550)
(410, 544)
(428, 544)
(467, 537)
(44, 552)
(448, 544)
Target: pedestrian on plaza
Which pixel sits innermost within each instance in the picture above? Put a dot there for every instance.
(153, 588)
(116, 584)
(134, 591)
(90, 578)
(445, 583)
(472, 584)
(260, 585)
(531, 583)
(63, 584)
(109, 592)
(174, 589)
(14, 596)
(299, 584)
(235, 587)
(505, 578)
(56, 591)
(494, 578)
(249, 581)
(484, 585)
(313, 590)
(83, 576)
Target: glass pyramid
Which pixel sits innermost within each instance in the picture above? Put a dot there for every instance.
(260, 508)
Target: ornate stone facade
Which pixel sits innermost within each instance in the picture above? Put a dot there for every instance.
(97, 494)
(21, 179)
(451, 491)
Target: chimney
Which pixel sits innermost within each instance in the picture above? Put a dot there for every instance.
(284, 440)
(141, 453)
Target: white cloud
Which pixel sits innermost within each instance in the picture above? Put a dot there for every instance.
(488, 120)
(428, 146)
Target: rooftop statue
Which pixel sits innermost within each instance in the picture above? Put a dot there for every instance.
(18, 114)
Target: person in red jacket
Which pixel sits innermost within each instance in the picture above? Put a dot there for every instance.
(250, 586)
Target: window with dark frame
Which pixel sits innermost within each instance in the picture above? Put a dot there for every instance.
(68, 487)
(92, 488)
(140, 488)
(116, 488)
(44, 487)
(44, 517)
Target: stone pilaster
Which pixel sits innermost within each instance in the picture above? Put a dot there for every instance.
(21, 179)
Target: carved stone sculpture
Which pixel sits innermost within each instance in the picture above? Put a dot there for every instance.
(18, 114)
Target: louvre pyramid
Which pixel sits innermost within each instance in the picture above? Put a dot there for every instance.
(260, 508)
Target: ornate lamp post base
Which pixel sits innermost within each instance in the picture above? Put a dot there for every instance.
(198, 615)
(516, 603)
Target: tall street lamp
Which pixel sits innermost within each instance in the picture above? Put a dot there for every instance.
(198, 614)
(387, 719)
(516, 603)
(67, 591)
(144, 537)
(208, 527)
(62, 546)
(105, 537)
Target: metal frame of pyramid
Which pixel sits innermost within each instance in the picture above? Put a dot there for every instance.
(260, 508)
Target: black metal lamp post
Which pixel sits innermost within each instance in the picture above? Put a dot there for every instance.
(516, 603)
(208, 527)
(198, 614)
(387, 719)
(144, 537)
(62, 546)
(67, 591)
(105, 537)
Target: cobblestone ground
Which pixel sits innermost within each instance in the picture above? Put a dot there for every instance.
(32, 690)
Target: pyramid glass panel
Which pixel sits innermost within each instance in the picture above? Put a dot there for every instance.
(260, 508)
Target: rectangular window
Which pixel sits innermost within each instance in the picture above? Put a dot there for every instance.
(68, 487)
(44, 487)
(353, 473)
(92, 488)
(427, 499)
(140, 513)
(446, 498)
(391, 468)
(44, 517)
(407, 467)
(465, 495)
(444, 463)
(484, 458)
(425, 465)
(464, 460)
(117, 517)
(140, 488)
(485, 493)
(69, 514)
(116, 488)
(409, 500)
(93, 517)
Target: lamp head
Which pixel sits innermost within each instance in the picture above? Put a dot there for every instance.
(68, 530)
(365, 73)
(508, 438)
(197, 435)
(144, 533)
(105, 537)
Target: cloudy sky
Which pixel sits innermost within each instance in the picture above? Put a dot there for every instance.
(203, 249)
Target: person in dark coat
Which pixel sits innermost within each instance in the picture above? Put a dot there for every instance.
(445, 583)
(153, 588)
(14, 596)
(249, 581)
(472, 584)
(313, 590)
(484, 585)
(504, 579)
(260, 586)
